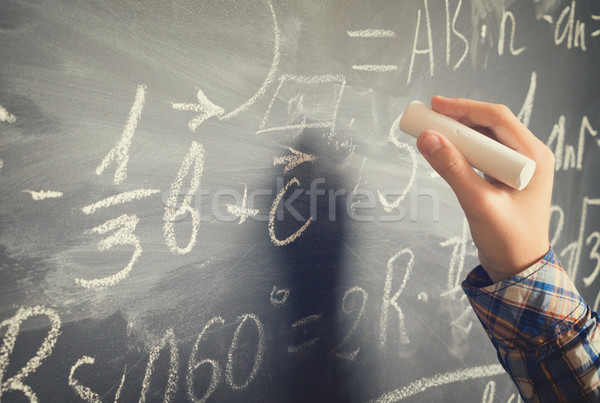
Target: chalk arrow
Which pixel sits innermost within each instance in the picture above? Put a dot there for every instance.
(292, 161)
(205, 109)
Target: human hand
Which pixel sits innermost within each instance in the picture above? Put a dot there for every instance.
(509, 227)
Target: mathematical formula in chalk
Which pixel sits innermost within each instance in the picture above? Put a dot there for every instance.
(214, 202)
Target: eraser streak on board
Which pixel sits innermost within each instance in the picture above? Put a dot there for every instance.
(482, 152)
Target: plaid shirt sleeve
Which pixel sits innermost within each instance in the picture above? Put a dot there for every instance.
(546, 336)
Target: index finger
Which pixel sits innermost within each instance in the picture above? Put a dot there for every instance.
(496, 117)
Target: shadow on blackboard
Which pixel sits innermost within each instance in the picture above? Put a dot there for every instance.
(313, 267)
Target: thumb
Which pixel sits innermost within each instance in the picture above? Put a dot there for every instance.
(452, 166)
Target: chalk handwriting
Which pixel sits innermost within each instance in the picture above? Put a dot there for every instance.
(271, 225)
(358, 182)
(301, 106)
(548, 18)
(292, 161)
(120, 388)
(558, 134)
(392, 301)
(387, 206)
(371, 33)
(82, 391)
(489, 392)
(351, 355)
(270, 75)
(243, 211)
(310, 82)
(596, 32)
(505, 16)
(525, 112)
(514, 396)
(193, 161)
(43, 194)
(295, 106)
(5, 116)
(279, 296)
(463, 322)
(308, 343)
(375, 68)
(13, 325)
(573, 32)
(171, 388)
(120, 152)
(423, 39)
(194, 365)
(123, 227)
(204, 108)
(455, 32)
(234, 345)
(428, 50)
(565, 155)
(574, 249)
(594, 254)
(119, 199)
(457, 261)
(423, 384)
(229, 368)
(555, 209)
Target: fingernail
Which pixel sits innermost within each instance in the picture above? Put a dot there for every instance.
(430, 144)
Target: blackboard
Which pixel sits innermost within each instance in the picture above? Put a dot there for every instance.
(211, 201)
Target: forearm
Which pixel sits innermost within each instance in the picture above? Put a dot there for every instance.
(547, 338)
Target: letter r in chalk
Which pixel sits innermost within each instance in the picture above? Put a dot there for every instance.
(392, 301)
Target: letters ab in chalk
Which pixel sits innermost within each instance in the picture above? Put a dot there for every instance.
(482, 152)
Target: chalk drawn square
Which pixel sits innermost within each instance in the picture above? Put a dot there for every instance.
(304, 102)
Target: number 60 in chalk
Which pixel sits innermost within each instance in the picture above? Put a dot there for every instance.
(482, 152)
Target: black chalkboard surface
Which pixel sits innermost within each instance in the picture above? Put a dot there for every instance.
(211, 200)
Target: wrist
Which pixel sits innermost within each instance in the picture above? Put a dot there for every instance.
(502, 269)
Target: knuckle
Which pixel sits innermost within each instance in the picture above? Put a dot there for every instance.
(503, 109)
(499, 113)
(487, 200)
(453, 166)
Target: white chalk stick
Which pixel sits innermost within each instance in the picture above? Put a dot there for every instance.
(482, 152)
